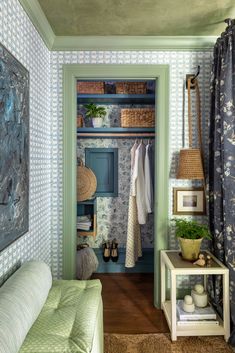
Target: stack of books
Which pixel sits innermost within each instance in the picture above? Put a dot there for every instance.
(202, 316)
(84, 222)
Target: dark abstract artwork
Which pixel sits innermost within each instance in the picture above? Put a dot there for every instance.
(14, 148)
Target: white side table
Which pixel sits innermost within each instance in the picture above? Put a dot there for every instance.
(171, 260)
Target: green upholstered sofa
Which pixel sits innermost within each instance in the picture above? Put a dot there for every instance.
(38, 315)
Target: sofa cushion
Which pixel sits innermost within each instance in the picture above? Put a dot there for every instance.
(67, 321)
(21, 299)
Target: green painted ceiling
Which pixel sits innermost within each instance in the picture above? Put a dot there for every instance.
(137, 17)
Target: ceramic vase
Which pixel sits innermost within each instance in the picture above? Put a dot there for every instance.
(97, 122)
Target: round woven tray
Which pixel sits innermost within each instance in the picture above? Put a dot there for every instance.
(86, 182)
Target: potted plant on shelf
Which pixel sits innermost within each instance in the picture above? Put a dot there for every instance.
(190, 235)
(96, 114)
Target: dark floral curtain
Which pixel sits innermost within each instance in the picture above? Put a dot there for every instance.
(222, 163)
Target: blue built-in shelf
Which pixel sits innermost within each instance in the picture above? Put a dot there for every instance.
(116, 98)
(88, 207)
(116, 132)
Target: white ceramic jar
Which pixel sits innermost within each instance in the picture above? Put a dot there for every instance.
(188, 304)
(199, 295)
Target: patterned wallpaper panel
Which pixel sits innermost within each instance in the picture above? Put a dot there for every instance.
(113, 113)
(21, 39)
(180, 64)
(112, 212)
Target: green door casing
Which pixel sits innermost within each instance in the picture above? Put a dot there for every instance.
(72, 72)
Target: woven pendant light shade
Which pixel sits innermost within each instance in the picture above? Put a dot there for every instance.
(190, 164)
(190, 159)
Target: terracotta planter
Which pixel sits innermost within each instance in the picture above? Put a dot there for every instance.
(190, 248)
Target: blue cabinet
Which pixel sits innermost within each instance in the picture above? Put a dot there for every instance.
(104, 163)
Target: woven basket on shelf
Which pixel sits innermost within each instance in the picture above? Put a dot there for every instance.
(131, 87)
(86, 182)
(137, 117)
(90, 87)
(80, 120)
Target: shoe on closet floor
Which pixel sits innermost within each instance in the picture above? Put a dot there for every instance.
(114, 251)
(106, 251)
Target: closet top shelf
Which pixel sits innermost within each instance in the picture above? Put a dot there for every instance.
(116, 98)
(118, 132)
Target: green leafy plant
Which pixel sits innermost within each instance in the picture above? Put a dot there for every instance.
(93, 111)
(190, 229)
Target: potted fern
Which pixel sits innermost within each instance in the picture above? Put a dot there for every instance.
(95, 113)
(190, 235)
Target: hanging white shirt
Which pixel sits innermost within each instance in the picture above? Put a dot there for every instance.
(148, 173)
(133, 153)
(138, 181)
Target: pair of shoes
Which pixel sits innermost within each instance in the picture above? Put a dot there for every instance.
(110, 251)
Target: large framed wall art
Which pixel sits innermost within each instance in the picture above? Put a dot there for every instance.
(14, 148)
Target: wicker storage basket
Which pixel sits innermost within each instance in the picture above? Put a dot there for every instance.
(137, 117)
(90, 87)
(80, 121)
(131, 87)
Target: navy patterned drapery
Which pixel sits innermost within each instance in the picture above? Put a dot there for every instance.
(222, 162)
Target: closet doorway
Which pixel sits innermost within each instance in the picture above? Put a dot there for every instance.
(155, 74)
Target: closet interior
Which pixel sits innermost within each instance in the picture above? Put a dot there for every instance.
(118, 149)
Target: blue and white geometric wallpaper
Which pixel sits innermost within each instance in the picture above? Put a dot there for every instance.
(44, 239)
(112, 212)
(19, 36)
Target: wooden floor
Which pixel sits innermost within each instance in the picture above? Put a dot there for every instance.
(128, 304)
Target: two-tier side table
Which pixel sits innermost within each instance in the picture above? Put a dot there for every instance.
(172, 261)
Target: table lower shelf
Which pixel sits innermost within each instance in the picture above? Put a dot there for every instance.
(205, 329)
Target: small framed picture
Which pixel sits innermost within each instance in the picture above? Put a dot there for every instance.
(189, 201)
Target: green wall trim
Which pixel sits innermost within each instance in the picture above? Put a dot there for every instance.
(109, 43)
(39, 20)
(70, 73)
(133, 43)
(69, 174)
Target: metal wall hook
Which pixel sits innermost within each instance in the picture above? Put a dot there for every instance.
(192, 77)
(198, 72)
(228, 21)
